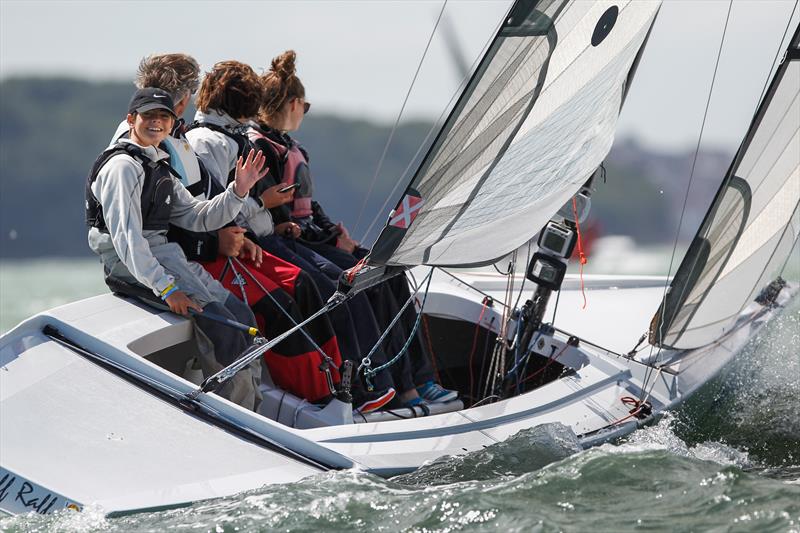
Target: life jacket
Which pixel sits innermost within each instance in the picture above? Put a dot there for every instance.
(294, 163)
(190, 169)
(239, 136)
(156, 190)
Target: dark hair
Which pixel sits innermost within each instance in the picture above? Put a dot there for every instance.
(177, 74)
(232, 87)
(281, 85)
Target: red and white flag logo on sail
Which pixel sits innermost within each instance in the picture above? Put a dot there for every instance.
(406, 212)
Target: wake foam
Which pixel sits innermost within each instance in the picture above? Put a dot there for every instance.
(528, 450)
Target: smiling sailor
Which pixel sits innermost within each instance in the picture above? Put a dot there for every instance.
(132, 195)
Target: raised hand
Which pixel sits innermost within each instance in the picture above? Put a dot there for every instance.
(249, 171)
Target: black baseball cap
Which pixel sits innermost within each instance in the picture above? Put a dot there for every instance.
(151, 98)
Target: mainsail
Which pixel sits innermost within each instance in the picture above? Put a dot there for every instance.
(534, 122)
(751, 227)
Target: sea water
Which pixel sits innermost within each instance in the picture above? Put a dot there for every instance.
(727, 460)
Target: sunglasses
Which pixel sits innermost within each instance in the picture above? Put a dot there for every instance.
(306, 106)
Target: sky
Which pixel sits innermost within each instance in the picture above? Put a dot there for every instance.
(358, 58)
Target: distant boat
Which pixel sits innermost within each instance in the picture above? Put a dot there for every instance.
(98, 403)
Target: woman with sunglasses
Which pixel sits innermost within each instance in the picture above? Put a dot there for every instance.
(229, 95)
(282, 111)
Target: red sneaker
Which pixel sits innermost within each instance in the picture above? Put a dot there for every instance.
(372, 401)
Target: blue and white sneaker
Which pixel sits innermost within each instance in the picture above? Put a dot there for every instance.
(432, 392)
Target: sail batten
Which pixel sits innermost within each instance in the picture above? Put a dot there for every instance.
(533, 124)
(751, 227)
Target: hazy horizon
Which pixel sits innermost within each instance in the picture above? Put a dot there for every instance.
(357, 59)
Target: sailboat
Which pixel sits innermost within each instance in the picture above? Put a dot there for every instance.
(99, 406)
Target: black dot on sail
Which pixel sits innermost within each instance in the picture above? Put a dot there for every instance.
(604, 25)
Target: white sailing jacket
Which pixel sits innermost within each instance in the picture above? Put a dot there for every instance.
(218, 152)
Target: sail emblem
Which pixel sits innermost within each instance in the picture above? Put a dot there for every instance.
(605, 25)
(406, 212)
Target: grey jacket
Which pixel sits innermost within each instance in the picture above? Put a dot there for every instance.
(118, 189)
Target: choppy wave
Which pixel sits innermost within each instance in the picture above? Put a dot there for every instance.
(652, 480)
(726, 461)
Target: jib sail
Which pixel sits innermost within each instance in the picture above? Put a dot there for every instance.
(534, 122)
(751, 228)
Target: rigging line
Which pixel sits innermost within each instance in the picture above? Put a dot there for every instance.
(691, 177)
(470, 286)
(370, 372)
(525, 278)
(436, 124)
(590, 343)
(399, 115)
(555, 308)
(286, 313)
(777, 55)
(367, 360)
(494, 265)
(215, 381)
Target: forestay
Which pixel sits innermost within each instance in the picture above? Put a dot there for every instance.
(535, 121)
(751, 228)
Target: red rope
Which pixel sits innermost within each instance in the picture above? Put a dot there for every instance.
(474, 345)
(549, 360)
(351, 274)
(581, 255)
(628, 401)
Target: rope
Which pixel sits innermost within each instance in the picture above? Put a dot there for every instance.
(288, 315)
(474, 345)
(688, 188)
(694, 163)
(369, 373)
(396, 122)
(212, 383)
(498, 362)
(367, 360)
(549, 361)
(486, 294)
(426, 329)
(775, 59)
(555, 308)
(581, 255)
(351, 274)
(433, 128)
(524, 279)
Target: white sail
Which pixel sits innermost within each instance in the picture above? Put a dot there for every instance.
(751, 227)
(534, 123)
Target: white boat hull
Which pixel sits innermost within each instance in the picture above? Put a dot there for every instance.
(77, 429)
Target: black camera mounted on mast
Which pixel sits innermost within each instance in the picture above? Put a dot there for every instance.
(549, 264)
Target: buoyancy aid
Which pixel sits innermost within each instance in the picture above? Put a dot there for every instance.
(294, 169)
(190, 170)
(237, 134)
(156, 189)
